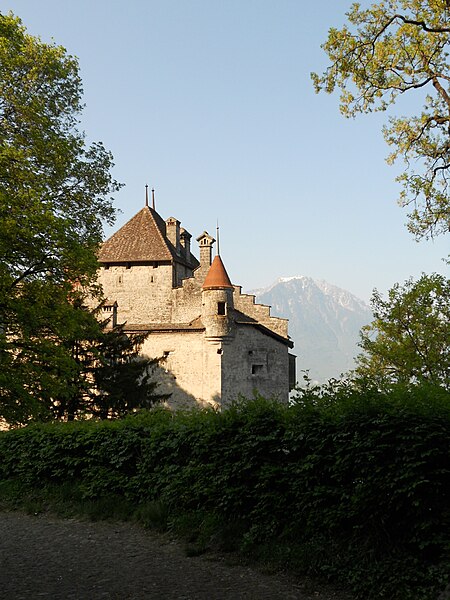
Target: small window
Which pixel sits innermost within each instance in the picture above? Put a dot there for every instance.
(120, 279)
(257, 369)
(106, 266)
(155, 265)
(128, 265)
(221, 308)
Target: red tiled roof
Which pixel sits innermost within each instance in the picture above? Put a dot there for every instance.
(217, 276)
(142, 238)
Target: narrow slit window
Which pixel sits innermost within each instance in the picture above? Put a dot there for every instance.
(221, 308)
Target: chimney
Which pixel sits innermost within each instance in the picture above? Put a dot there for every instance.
(110, 314)
(173, 232)
(185, 239)
(205, 242)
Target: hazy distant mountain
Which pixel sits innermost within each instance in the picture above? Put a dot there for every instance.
(324, 323)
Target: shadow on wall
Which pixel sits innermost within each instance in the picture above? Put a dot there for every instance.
(174, 396)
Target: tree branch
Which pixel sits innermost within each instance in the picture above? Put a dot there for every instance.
(438, 87)
(421, 24)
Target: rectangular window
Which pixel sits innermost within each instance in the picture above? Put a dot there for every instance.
(292, 374)
(257, 369)
(221, 308)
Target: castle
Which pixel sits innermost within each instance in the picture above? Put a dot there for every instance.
(214, 343)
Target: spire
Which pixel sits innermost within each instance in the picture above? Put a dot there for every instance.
(153, 198)
(146, 194)
(217, 277)
(217, 235)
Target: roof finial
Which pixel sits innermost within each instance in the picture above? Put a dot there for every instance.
(146, 194)
(217, 236)
(153, 198)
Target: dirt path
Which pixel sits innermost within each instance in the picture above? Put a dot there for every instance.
(47, 558)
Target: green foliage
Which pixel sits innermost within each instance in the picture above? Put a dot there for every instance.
(384, 51)
(355, 490)
(409, 340)
(123, 378)
(54, 198)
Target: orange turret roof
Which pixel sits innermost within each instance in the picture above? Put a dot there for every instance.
(217, 277)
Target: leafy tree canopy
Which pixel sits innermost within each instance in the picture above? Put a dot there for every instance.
(54, 190)
(409, 339)
(54, 196)
(386, 50)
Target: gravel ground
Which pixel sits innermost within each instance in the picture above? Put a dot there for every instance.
(42, 557)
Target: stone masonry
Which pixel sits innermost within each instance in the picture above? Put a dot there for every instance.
(214, 343)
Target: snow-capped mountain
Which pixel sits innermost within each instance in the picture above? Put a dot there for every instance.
(324, 323)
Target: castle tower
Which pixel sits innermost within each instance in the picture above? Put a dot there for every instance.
(141, 263)
(217, 301)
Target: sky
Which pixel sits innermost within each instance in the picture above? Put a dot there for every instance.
(211, 103)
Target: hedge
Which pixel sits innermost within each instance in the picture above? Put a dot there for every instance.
(356, 490)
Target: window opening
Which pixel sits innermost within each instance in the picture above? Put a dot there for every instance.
(221, 308)
(257, 369)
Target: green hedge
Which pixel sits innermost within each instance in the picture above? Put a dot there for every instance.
(356, 489)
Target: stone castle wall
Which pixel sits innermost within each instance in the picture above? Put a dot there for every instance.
(143, 293)
(198, 366)
(187, 299)
(260, 312)
(253, 361)
(189, 369)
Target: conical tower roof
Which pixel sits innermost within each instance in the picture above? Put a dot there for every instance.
(217, 276)
(142, 238)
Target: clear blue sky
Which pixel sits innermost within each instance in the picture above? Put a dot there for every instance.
(211, 103)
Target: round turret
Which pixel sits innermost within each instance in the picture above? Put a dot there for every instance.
(217, 301)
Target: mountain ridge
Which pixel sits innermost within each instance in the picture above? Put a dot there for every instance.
(324, 323)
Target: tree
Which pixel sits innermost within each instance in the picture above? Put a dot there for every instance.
(54, 197)
(111, 378)
(409, 339)
(392, 48)
(87, 370)
(123, 379)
